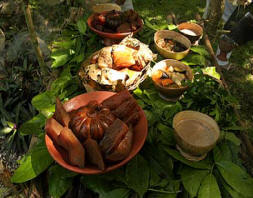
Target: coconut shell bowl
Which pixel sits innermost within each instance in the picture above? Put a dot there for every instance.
(165, 75)
(192, 31)
(195, 133)
(102, 142)
(171, 44)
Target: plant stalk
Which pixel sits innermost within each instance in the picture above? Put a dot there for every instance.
(244, 136)
(33, 37)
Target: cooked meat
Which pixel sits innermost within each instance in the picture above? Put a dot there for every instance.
(105, 58)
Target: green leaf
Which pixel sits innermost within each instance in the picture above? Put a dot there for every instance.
(32, 164)
(81, 25)
(65, 44)
(222, 152)
(201, 50)
(192, 179)
(137, 175)
(97, 184)
(33, 126)
(61, 57)
(231, 191)
(5, 130)
(59, 181)
(211, 71)
(232, 137)
(175, 154)
(194, 59)
(43, 101)
(172, 27)
(209, 188)
(236, 177)
(117, 193)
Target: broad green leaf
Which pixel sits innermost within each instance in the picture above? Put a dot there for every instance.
(231, 191)
(192, 179)
(201, 50)
(97, 184)
(137, 175)
(67, 44)
(81, 25)
(33, 163)
(33, 126)
(222, 152)
(209, 188)
(172, 27)
(59, 181)
(175, 154)
(232, 137)
(117, 193)
(211, 71)
(158, 160)
(61, 57)
(236, 177)
(194, 59)
(43, 101)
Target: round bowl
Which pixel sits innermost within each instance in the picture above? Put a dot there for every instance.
(197, 29)
(140, 134)
(113, 36)
(162, 34)
(171, 93)
(195, 133)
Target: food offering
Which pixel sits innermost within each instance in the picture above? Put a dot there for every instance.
(171, 44)
(116, 21)
(126, 64)
(96, 134)
(115, 24)
(170, 78)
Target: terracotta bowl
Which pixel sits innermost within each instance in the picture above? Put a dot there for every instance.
(113, 36)
(140, 134)
(195, 133)
(170, 93)
(197, 29)
(162, 34)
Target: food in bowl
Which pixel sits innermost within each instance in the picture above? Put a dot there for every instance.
(116, 21)
(126, 64)
(171, 45)
(96, 133)
(169, 76)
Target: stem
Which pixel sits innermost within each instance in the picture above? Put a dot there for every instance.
(243, 133)
(33, 36)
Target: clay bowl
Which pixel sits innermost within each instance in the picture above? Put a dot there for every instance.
(113, 36)
(162, 34)
(140, 134)
(193, 27)
(170, 93)
(195, 133)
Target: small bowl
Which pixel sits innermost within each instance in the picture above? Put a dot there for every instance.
(162, 34)
(195, 133)
(140, 134)
(113, 36)
(171, 93)
(195, 28)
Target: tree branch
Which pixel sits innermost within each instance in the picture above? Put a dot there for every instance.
(33, 37)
